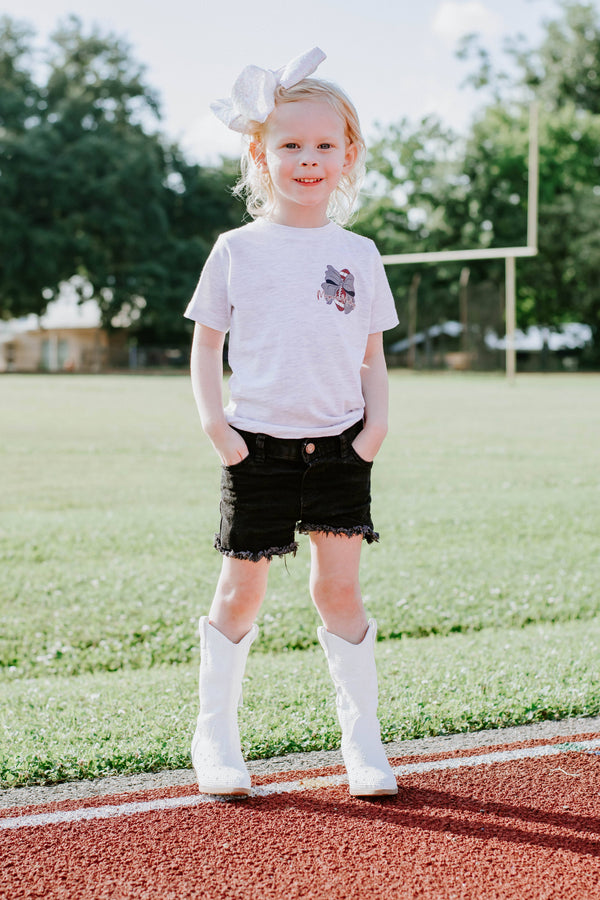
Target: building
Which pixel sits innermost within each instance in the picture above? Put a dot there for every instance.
(67, 338)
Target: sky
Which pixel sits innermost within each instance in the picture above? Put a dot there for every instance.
(394, 58)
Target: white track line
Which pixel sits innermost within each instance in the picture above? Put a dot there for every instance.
(303, 784)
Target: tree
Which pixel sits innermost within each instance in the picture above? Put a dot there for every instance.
(89, 187)
(20, 97)
(70, 153)
(414, 169)
(434, 191)
(563, 74)
(198, 205)
(563, 69)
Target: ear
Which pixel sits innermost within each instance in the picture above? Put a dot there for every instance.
(350, 158)
(257, 153)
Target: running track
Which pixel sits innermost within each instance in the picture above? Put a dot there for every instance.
(516, 820)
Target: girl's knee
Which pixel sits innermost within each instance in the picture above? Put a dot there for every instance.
(242, 582)
(240, 592)
(335, 591)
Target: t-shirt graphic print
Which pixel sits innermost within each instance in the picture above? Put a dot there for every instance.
(338, 288)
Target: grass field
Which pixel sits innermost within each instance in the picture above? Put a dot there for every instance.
(485, 585)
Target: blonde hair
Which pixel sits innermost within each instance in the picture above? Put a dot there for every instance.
(255, 183)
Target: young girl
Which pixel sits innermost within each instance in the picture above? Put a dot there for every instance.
(305, 303)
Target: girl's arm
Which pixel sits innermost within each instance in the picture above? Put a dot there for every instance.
(207, 385)
(374, 380)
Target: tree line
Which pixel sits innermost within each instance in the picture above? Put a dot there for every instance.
(436, 190)
(90, 186)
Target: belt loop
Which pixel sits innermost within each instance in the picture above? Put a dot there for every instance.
(260, 448)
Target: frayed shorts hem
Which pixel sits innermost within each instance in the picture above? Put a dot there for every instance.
(369, 535)
(253, 556)
(367, 532)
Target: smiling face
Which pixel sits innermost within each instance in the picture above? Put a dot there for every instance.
(306, 152)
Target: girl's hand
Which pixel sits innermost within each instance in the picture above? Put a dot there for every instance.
(373, 378)
(230, 446)
(367, 443)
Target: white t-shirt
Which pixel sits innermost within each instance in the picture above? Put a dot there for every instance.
(299, 304)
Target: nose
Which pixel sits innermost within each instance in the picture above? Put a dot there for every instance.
(308, 162)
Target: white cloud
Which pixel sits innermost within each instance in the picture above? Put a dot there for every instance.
(455, 18)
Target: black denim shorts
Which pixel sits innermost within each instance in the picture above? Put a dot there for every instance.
(284, 486)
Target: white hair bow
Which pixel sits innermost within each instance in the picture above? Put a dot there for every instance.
(253, 94)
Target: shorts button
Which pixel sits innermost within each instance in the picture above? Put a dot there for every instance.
(310, 448)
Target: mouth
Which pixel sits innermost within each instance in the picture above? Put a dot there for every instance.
(308, 180)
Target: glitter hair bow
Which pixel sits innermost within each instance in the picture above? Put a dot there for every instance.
(253, 94)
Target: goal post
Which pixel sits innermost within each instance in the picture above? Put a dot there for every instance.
(508, 254)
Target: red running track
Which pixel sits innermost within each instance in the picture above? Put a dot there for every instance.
(515, 821)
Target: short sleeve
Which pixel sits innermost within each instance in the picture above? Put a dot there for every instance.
(210, 304)
(383, 308)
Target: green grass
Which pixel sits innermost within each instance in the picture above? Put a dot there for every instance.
(487, 497)
(57, 728)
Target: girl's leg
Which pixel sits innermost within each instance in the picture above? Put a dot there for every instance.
(239, 595)
(348, 640)
(334, 584)
(225, 640)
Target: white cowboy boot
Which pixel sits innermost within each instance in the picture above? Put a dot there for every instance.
(216, 751)
(352, 668)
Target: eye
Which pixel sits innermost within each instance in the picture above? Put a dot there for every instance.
(325, 146)
(291, 145)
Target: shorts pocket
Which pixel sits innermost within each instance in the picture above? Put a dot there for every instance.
(237, 465)
(368, 464)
